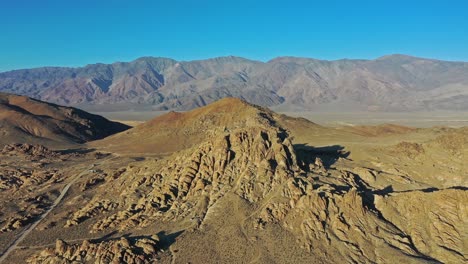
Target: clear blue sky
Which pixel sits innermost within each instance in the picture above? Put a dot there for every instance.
(74, 33)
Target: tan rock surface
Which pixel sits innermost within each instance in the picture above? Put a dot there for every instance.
(233, 186)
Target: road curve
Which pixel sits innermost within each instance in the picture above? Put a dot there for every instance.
(28, 230)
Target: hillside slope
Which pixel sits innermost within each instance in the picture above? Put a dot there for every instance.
(26, 120)
(180, 130)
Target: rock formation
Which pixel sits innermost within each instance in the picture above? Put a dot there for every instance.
(242, 191)
(123, 250)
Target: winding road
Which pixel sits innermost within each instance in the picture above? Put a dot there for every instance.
(14, 244)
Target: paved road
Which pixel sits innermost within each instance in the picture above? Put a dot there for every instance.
(14, 244)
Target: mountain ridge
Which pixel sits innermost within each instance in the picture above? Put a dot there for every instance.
(389, 83)
(233, 56)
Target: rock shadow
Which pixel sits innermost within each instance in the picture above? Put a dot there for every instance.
(389, 190)
(461, 188)
(384, 191)
(328, 154)
(76, 151)
(165, 240)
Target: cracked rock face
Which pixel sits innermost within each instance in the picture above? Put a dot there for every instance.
(249, 162)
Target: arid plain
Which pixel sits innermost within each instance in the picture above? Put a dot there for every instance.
(331, 119)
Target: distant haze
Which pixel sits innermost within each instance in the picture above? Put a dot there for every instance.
(389, 83)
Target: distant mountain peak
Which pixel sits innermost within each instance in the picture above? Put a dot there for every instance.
(286, 59)
(400, 57)
(390, 83)
(151, 58)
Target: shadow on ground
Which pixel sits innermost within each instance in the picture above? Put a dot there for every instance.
(328, 154)
(165, 239)
(76, 151)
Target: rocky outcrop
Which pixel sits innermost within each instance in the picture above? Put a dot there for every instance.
(123, 250)
(250, 162)
(92, 209)
(434, 219)
(323, 208)
(28, 210)
(245, 183)
(37, 151)
(14, 178)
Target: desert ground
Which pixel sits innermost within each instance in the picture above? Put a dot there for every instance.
(421, 119)
(236, 183)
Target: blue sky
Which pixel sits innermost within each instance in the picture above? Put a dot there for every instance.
(75, 33)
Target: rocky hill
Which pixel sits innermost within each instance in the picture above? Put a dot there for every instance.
(26, 120)
(180, 130)
(240, 180)
(233, 182)
(389, 83)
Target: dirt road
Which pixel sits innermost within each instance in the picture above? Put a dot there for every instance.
(14, 244)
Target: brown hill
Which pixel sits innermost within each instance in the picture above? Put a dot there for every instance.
(176, 131)
(26, 120)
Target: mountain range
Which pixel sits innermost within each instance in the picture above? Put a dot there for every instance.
(389, 83)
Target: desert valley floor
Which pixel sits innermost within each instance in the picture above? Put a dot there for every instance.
(230, 182)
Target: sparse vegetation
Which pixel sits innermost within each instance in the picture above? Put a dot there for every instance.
(233, 182)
